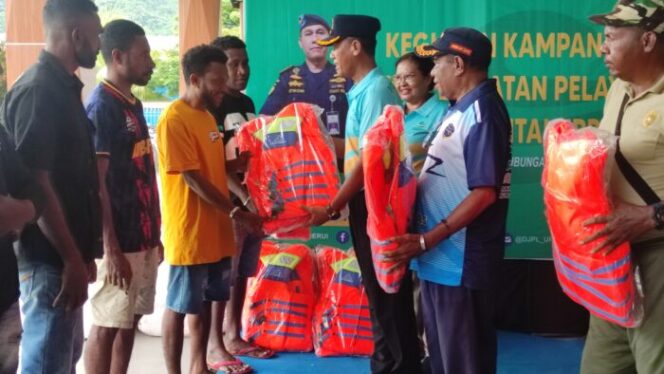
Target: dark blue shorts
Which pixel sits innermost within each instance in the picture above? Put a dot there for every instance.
(190, 285)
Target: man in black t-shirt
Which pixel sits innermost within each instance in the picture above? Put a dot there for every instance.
(125, 288)
(47, 124)
(236, 109)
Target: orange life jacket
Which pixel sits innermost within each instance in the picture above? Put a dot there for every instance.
(390, 188)
(342, 325)
(292, 164)
(574, 180)
(279, 303)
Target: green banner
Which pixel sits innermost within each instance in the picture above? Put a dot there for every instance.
(547, 61)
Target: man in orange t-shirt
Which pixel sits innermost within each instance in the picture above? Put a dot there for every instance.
(197, 213)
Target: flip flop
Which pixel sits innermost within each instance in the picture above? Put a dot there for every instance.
(224, 367)
(254, 352)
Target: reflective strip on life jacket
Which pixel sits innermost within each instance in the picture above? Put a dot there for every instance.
(280, 299)
(389, 187)
(596, 288)
(342, 323)
(292, 164)
(574, 181)
(278, 302)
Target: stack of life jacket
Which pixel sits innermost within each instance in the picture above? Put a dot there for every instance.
(390, 188)
(575, 178)
(280, 300)
(342, 324)
(292, 163)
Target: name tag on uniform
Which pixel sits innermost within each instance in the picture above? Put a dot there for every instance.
(333, 124)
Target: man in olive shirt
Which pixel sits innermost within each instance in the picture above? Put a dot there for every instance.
(47, 123)
(634, 53)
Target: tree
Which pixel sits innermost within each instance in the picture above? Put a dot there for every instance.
(157, 17)
(229, 22)
(164, 85)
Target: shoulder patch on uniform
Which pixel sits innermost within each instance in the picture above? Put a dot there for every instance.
(287, 69)
(295, 83)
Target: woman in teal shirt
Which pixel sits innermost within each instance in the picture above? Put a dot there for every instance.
(424, 109)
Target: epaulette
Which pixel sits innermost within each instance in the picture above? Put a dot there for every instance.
(287, 69)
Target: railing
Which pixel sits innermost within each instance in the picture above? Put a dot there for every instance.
(152, 110)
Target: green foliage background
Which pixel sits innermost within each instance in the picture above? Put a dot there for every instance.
(158, 18)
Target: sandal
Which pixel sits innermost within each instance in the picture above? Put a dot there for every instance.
(230, 367)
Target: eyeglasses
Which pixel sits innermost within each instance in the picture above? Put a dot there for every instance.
(408, 78)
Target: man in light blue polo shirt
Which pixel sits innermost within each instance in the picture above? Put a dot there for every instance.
(397, 348)
(463, 191)
(366, 99)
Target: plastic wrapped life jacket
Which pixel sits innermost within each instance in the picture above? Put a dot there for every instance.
(342, 325)
(279, 304)
(575, 179)
(390, 187)
(292, 164)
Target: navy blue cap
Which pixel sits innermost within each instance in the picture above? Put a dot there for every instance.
(351, 25)
(465, 42)
(311, 19)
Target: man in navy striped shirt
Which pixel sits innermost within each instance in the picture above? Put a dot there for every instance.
(461, 208)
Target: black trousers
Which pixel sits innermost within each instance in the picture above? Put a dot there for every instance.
(397, 349)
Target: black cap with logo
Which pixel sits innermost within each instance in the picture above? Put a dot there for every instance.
(351, 25)
(465, 42)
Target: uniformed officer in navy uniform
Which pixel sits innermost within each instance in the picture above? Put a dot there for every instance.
(315, 81)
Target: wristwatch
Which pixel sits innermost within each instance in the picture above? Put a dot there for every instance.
(331, 213)
(659, 215)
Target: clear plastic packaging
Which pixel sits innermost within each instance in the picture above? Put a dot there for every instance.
(577, 165)
(292, 164)
(280, 299)
(390, 188)
(342, 324)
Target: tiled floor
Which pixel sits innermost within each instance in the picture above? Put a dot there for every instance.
(518, 354)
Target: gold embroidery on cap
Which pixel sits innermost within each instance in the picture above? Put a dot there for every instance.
(424, 52)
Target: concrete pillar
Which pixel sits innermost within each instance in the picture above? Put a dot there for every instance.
(199, 24)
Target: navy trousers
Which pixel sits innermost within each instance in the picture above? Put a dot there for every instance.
(459, 328)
